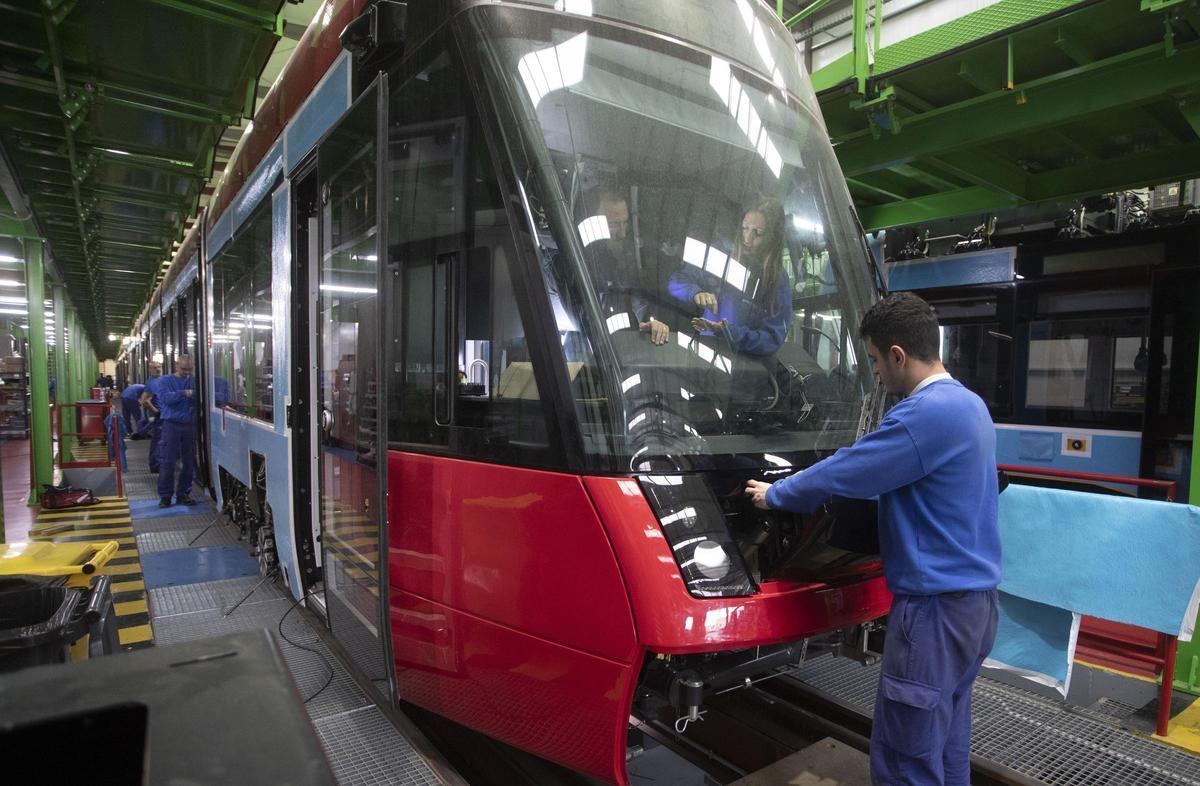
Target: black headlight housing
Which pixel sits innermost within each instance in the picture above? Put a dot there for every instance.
(692, 521)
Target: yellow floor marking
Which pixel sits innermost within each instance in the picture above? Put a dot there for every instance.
(128, 586)
(1118, 672)
(135, 635)
(68, 512)
(120, 570)
(114, 531)
(1184, 729)
(112, 517)
(131, 607)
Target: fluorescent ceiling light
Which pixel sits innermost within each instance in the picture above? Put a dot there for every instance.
(15, 299)
(6, 258)
(6, 282)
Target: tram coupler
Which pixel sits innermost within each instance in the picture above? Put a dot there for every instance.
(853, 644)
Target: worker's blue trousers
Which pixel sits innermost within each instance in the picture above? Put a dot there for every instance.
(178, 442)
(934, 647)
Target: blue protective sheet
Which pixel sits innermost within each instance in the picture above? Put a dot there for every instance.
(192, 566)
(149, 509)
(1035, 640)
(1068, 553)
(1117, 558)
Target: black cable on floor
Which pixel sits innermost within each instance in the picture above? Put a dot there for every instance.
(319, 654)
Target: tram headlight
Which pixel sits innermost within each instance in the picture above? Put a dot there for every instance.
(691, 519)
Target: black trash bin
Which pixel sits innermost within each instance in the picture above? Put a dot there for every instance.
(38, 623)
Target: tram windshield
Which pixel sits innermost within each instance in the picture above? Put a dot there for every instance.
(696, 237)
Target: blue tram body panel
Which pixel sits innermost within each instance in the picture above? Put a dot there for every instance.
(233, 436)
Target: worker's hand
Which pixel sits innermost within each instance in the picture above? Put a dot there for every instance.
(659, 332)
(700, 323)
(706, 300)
(757, 491)
(188, 393)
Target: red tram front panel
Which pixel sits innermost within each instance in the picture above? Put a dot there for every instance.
(523, 602)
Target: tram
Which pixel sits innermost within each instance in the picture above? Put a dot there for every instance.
(458, 369)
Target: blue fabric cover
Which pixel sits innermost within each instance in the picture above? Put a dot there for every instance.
(1117, 558)
(1034, 640)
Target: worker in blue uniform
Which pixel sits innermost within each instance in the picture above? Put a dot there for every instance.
(131, 406)
(932, 465)
(177, 397)
(153, 413)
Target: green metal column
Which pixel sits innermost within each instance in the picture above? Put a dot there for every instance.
(1187, 658)
(39, 371)
(62, 388)
(861, 65)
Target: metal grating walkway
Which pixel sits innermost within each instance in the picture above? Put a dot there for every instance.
(363, 746)
(1053, 742)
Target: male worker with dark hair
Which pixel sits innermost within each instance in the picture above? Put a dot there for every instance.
(176, 394)
(932, 463)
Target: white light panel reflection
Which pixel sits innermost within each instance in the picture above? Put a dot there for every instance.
(631, 382)
(637, 421)
(665, 480)
(581, 7)
(687, 514)
(618, 322)
(808, 225)
(546, 70)
(755, 28)
(716, 262)
(706, 353)
(592, 229)
(737, 101)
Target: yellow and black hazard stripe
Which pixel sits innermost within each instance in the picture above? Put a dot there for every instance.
(108, 519)
(90, 451)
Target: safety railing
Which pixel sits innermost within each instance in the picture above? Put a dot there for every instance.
(1115, 642)
(90, 422)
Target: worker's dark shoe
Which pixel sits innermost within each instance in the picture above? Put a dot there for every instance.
(165, 502)
(185, 500)
(154, 470)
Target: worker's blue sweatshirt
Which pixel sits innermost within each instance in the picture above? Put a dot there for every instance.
(177, 406)
(932, 463)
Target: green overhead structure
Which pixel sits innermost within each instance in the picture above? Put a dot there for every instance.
(38, 368)
(109, 114)
(1020, 102)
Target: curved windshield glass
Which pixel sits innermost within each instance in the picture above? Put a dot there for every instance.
(697, 243)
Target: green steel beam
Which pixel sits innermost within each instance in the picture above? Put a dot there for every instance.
(1133, 78)
(803, 14)
(984, 169)
(40, 443)
(874, 189)
(1190, 109)
(1158, 166)
(226, 13)
(973, 199)
(924, 177)
(60, 83)
(1072, 44)
(10, 227)
(861, 64)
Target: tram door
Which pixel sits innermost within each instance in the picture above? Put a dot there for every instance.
(350, 455)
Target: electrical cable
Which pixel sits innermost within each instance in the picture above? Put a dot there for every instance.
(319, 654)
